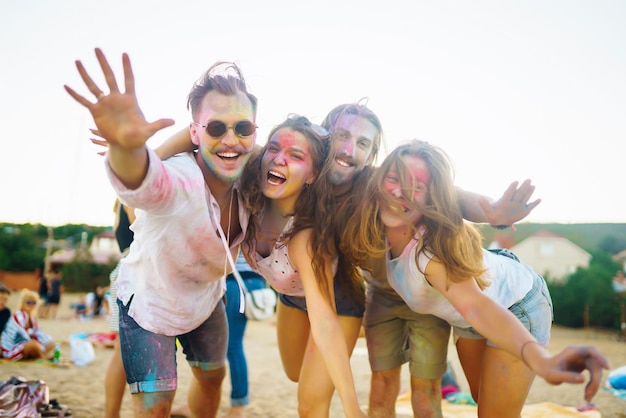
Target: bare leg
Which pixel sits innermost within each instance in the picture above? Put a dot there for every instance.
(32, 350)
(48, 350)
(152, 405)
(52, 311)
(181, 411)
(504, 386)
(471, 358)
(114, 384)
(315, 388)
(292, 331)
(235, 412)
(426, 397)
(205, 392)
(384, 390)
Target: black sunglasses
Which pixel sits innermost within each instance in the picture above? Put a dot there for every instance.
(217, 129)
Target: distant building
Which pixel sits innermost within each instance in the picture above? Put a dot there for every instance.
(551, 255)
(103, 250)
(621, 258)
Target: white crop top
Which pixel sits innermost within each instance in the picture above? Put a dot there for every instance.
(510, 282)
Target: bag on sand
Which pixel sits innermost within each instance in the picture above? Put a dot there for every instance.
(82, 352)
(260, 303)
(20, 398)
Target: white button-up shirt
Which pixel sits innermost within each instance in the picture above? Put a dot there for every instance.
(175, 271)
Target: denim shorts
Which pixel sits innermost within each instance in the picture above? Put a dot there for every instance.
(535, 312)
(150, 359)
(343, 302)
(395, 335)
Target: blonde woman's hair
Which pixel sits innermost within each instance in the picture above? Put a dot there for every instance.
(453, 242)
(28, 294)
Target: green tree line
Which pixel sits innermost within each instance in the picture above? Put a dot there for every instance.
(588, 289)
(23, 248)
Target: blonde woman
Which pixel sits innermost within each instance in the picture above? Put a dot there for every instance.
(500, 309)
(22, 339)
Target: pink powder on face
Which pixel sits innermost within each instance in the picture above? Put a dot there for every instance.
(421, 175)
(286, 139)
(347, 148)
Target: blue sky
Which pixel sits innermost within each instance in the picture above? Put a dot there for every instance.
(511, 90)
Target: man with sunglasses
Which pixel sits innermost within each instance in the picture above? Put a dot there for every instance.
(171, 284)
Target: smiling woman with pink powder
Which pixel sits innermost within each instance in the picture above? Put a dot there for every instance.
(289, 242)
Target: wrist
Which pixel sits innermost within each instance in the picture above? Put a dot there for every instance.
(529, 353)
(354, 411)
(351, 407)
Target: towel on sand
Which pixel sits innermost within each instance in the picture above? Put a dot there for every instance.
(539, 410)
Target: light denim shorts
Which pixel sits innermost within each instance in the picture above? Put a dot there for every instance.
(150, 359)
(534, 311)
(395, 335)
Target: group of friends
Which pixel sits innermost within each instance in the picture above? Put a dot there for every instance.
(344, 243)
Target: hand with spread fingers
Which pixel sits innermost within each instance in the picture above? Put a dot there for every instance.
(117, 115)
(512, 207)
(119, 120)
(102, 143)
(566, 367)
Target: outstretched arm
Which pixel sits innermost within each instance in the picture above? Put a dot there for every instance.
(325, 327)
(120, 121)
(499, 325)
(512, 207)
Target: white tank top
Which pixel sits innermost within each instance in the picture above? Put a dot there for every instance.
(510, 282)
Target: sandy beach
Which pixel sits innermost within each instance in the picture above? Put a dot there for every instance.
(272, 394)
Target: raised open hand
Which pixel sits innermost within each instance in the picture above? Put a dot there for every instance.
(117, 115)
(512, 207)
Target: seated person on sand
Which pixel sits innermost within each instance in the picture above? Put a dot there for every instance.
(22, 338)
(5, 312)
(99, 305)
(80, 308)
